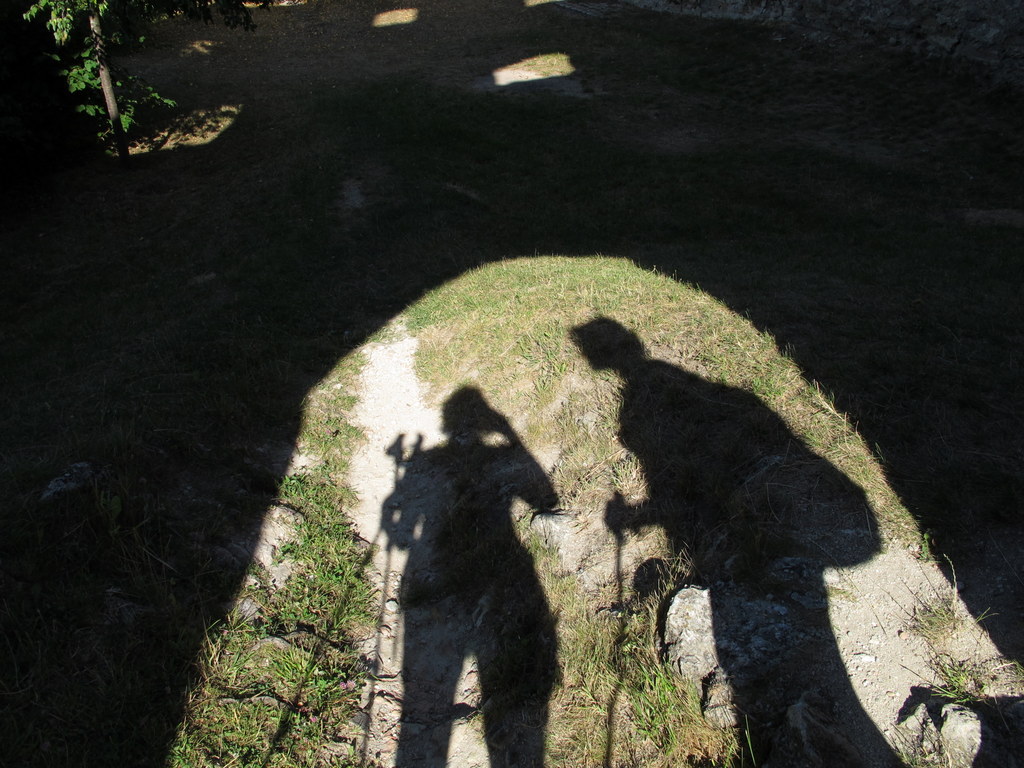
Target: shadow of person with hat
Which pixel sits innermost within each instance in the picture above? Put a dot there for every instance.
(760, 516)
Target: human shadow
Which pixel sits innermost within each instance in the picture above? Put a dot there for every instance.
(470, 591)
(755, 511)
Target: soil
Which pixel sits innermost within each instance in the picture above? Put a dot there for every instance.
(394, 417)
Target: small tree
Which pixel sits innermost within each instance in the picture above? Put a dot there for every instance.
(68, 17)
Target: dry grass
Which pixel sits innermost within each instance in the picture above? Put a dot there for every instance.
(508, 329)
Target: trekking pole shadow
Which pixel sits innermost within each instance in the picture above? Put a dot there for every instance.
(612, 516)
(476, 595)
(390, 515)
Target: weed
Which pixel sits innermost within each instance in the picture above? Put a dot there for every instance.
(962, 682)
(926, 547)
(936, 621)
(917, 756)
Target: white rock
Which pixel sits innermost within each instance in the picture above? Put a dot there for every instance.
(689, 634)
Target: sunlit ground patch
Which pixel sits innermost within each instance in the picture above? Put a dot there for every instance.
(200, 47)
(199, 127)
(528, 308)
(394, 18)
(516, 331)
(535, 68)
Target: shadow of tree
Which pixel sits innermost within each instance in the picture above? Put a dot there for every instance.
(169, 322)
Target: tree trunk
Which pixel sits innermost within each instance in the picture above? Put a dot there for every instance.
(100, 51)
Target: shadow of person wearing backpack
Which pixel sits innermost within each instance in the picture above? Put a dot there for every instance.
(756, 511)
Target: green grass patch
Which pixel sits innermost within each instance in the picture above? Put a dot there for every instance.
(508, 329)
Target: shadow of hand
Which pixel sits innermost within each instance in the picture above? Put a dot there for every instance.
(618, 515)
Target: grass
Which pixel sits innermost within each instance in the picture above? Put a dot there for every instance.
(508, 330)
(530, 367)
(281, 687)
(616, 701)
(961, 681)
(776, 218)
(937, 619)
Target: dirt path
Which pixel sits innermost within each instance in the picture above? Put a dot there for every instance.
(413, 644)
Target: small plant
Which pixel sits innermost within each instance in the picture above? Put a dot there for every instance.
(916, 756)
(926, 547)
(962, 682)
(83, 77)
(937, 619)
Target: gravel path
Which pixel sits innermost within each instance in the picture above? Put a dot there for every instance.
(419, 699)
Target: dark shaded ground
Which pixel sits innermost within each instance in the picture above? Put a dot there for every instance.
(167, 322)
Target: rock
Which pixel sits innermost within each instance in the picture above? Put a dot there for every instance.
(1014, 716)
(762, 467)
(278, 530)
(248, 610)
(301, 463)
(968, 740)
(961, 734)
(809, 600)
(689, 635)
(77, 477)
(360, 720)
(963, 738)
(352, 196)
(809, 737)
(795, 571)
(280, 573)
(575, 542)
(717, 703)
(754, 636)
(919, 733)
(553, 528)
(337, 752)
(747, 638)
(120, 609)
(228, 557)
(944, 43)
